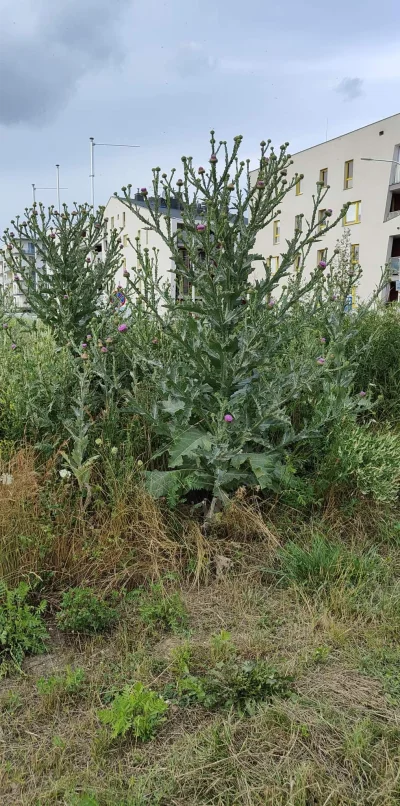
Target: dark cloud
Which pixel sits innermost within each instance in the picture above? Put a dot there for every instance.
(350, 88)
(41, 63)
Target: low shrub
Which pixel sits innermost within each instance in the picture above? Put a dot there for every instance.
(163, 609)
(59, 686)
(136, 710)
(22, 629)
(83, 611)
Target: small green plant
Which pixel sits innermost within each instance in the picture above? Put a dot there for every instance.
(136, 710)
(22, 630)
(180, 657)
(243, 683)
(82, 611)
(222, 646)
(323, 563)
(60, 685)
(163, 609)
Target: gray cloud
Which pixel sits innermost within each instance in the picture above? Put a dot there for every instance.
(41, 63)
(192, 60)
(350, 88)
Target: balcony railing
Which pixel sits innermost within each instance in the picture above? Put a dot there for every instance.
(394, 264)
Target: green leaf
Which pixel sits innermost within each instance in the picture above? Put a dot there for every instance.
(263, 465)
(187, 445)
(173, 405)
(160, 483)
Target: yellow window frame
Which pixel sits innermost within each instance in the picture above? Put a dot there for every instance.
(126, 240)
(355, 253)
(323, 177)
(112, 222)
(275, 263)
(276, 231)
(297, 263)
(298, 223)
(357, 218)
(321, 219)
(299, 187)
(348, 179)
(322, 254)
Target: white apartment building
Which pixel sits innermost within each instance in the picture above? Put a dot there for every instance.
(361, 167)
(7, 281)
(123, 219)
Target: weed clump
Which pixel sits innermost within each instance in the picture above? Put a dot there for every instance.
(82, 611)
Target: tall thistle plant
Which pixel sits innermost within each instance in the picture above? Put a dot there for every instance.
(65, 277)
(223, 405)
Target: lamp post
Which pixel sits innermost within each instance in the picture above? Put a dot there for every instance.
(108, 145)
(35, 188)
(376, 159)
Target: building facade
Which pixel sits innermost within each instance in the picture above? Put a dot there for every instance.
(363, 168)
(123, 219)
(7, 282)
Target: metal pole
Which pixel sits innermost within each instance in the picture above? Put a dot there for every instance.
(34, 192)
(92, 170)
(58, 188)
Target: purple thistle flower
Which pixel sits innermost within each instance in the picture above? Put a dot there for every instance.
(65, 296)
(144, 191)
(126, 273)
(322, 339)
(104, 350)
(271, 303)
(362, 393)
(201, 170)
(200, 227)
(321, 360)
(84, 345)
(228, 418)
(88, 336)
(213, 158)
(122, 328)
(13, 346)
(322, 264)
(5, 324)
(260, 184)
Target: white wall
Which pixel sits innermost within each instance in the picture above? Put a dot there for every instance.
(148, 239)
(370, 186)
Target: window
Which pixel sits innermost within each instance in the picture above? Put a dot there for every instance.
(30, 249)
(323, 177)
(277, 231)
(298, 222)
(321, 219)
(322, 255)
(348, 174)
(354, 253)
(275, 263)
(126, 240)
(353, 215)
(112, 222)
(297, 263)
(123, 219)
(299, 187)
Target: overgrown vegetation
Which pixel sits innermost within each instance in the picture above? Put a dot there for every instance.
(198, 510)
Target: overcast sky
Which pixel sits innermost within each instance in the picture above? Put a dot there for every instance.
(161, 74)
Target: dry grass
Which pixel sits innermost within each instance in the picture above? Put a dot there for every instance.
(336, 741)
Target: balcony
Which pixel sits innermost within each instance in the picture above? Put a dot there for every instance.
(394, 263)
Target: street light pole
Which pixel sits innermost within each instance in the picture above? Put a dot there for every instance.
(58, 188)
(91, 175)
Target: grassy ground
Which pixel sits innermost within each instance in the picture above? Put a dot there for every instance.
(329, 618)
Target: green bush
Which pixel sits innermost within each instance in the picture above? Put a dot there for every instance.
(58, 685)
(22, 630)
(243, 683)
(365, 458)
(137, 710)
(163, 609)
(322, 563)
(83, 611)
